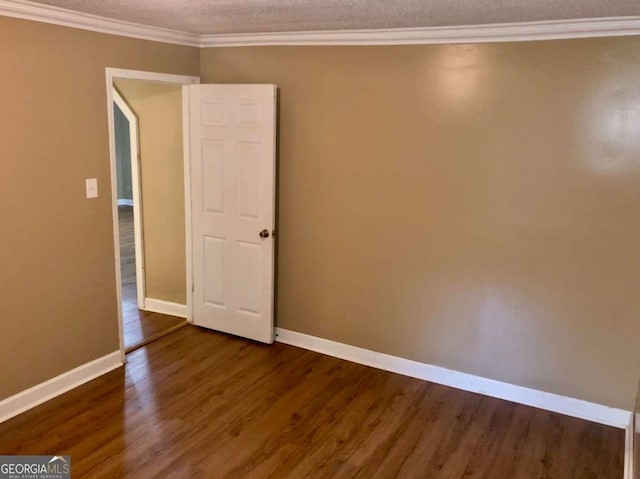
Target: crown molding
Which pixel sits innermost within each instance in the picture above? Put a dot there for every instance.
(503, 32)
(500, 32)
(60, 16)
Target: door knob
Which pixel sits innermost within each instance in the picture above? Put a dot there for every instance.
(264, 234)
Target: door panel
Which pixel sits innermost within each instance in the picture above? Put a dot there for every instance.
(232, 161)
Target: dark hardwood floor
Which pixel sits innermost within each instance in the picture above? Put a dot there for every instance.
(198, 404)
(139, 326)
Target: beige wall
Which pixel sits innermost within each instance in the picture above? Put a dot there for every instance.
(159, 110)
(472, 206)
(58, 295)
(476, 207)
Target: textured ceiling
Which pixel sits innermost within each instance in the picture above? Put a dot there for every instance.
(252, 16)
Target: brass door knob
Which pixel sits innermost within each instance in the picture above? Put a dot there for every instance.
(264, 234)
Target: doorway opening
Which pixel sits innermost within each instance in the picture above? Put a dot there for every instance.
(149, 206)
(125, 124)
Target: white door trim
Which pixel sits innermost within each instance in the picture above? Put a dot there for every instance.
(111, 74)
(186, 144)
(137, 200)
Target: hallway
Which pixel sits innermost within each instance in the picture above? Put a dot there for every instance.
(140, 327)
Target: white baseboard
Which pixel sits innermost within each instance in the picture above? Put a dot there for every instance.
(165, 307)
(468, 382)
(36, 395)
(125, 202)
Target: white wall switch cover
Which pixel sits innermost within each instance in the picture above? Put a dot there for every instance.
(92, 187)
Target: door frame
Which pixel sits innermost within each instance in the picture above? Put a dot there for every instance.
(118, 73)
(135, 186)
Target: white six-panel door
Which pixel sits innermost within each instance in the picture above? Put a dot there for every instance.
(232, 163)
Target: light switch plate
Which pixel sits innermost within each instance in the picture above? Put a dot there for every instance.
(92, 187)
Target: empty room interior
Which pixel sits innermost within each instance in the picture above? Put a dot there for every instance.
(308, 239)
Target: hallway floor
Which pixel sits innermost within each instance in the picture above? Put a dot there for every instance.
(139, 326)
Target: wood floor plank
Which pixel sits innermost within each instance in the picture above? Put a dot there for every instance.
(200, 404)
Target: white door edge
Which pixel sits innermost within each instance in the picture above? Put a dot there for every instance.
(186, 141)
